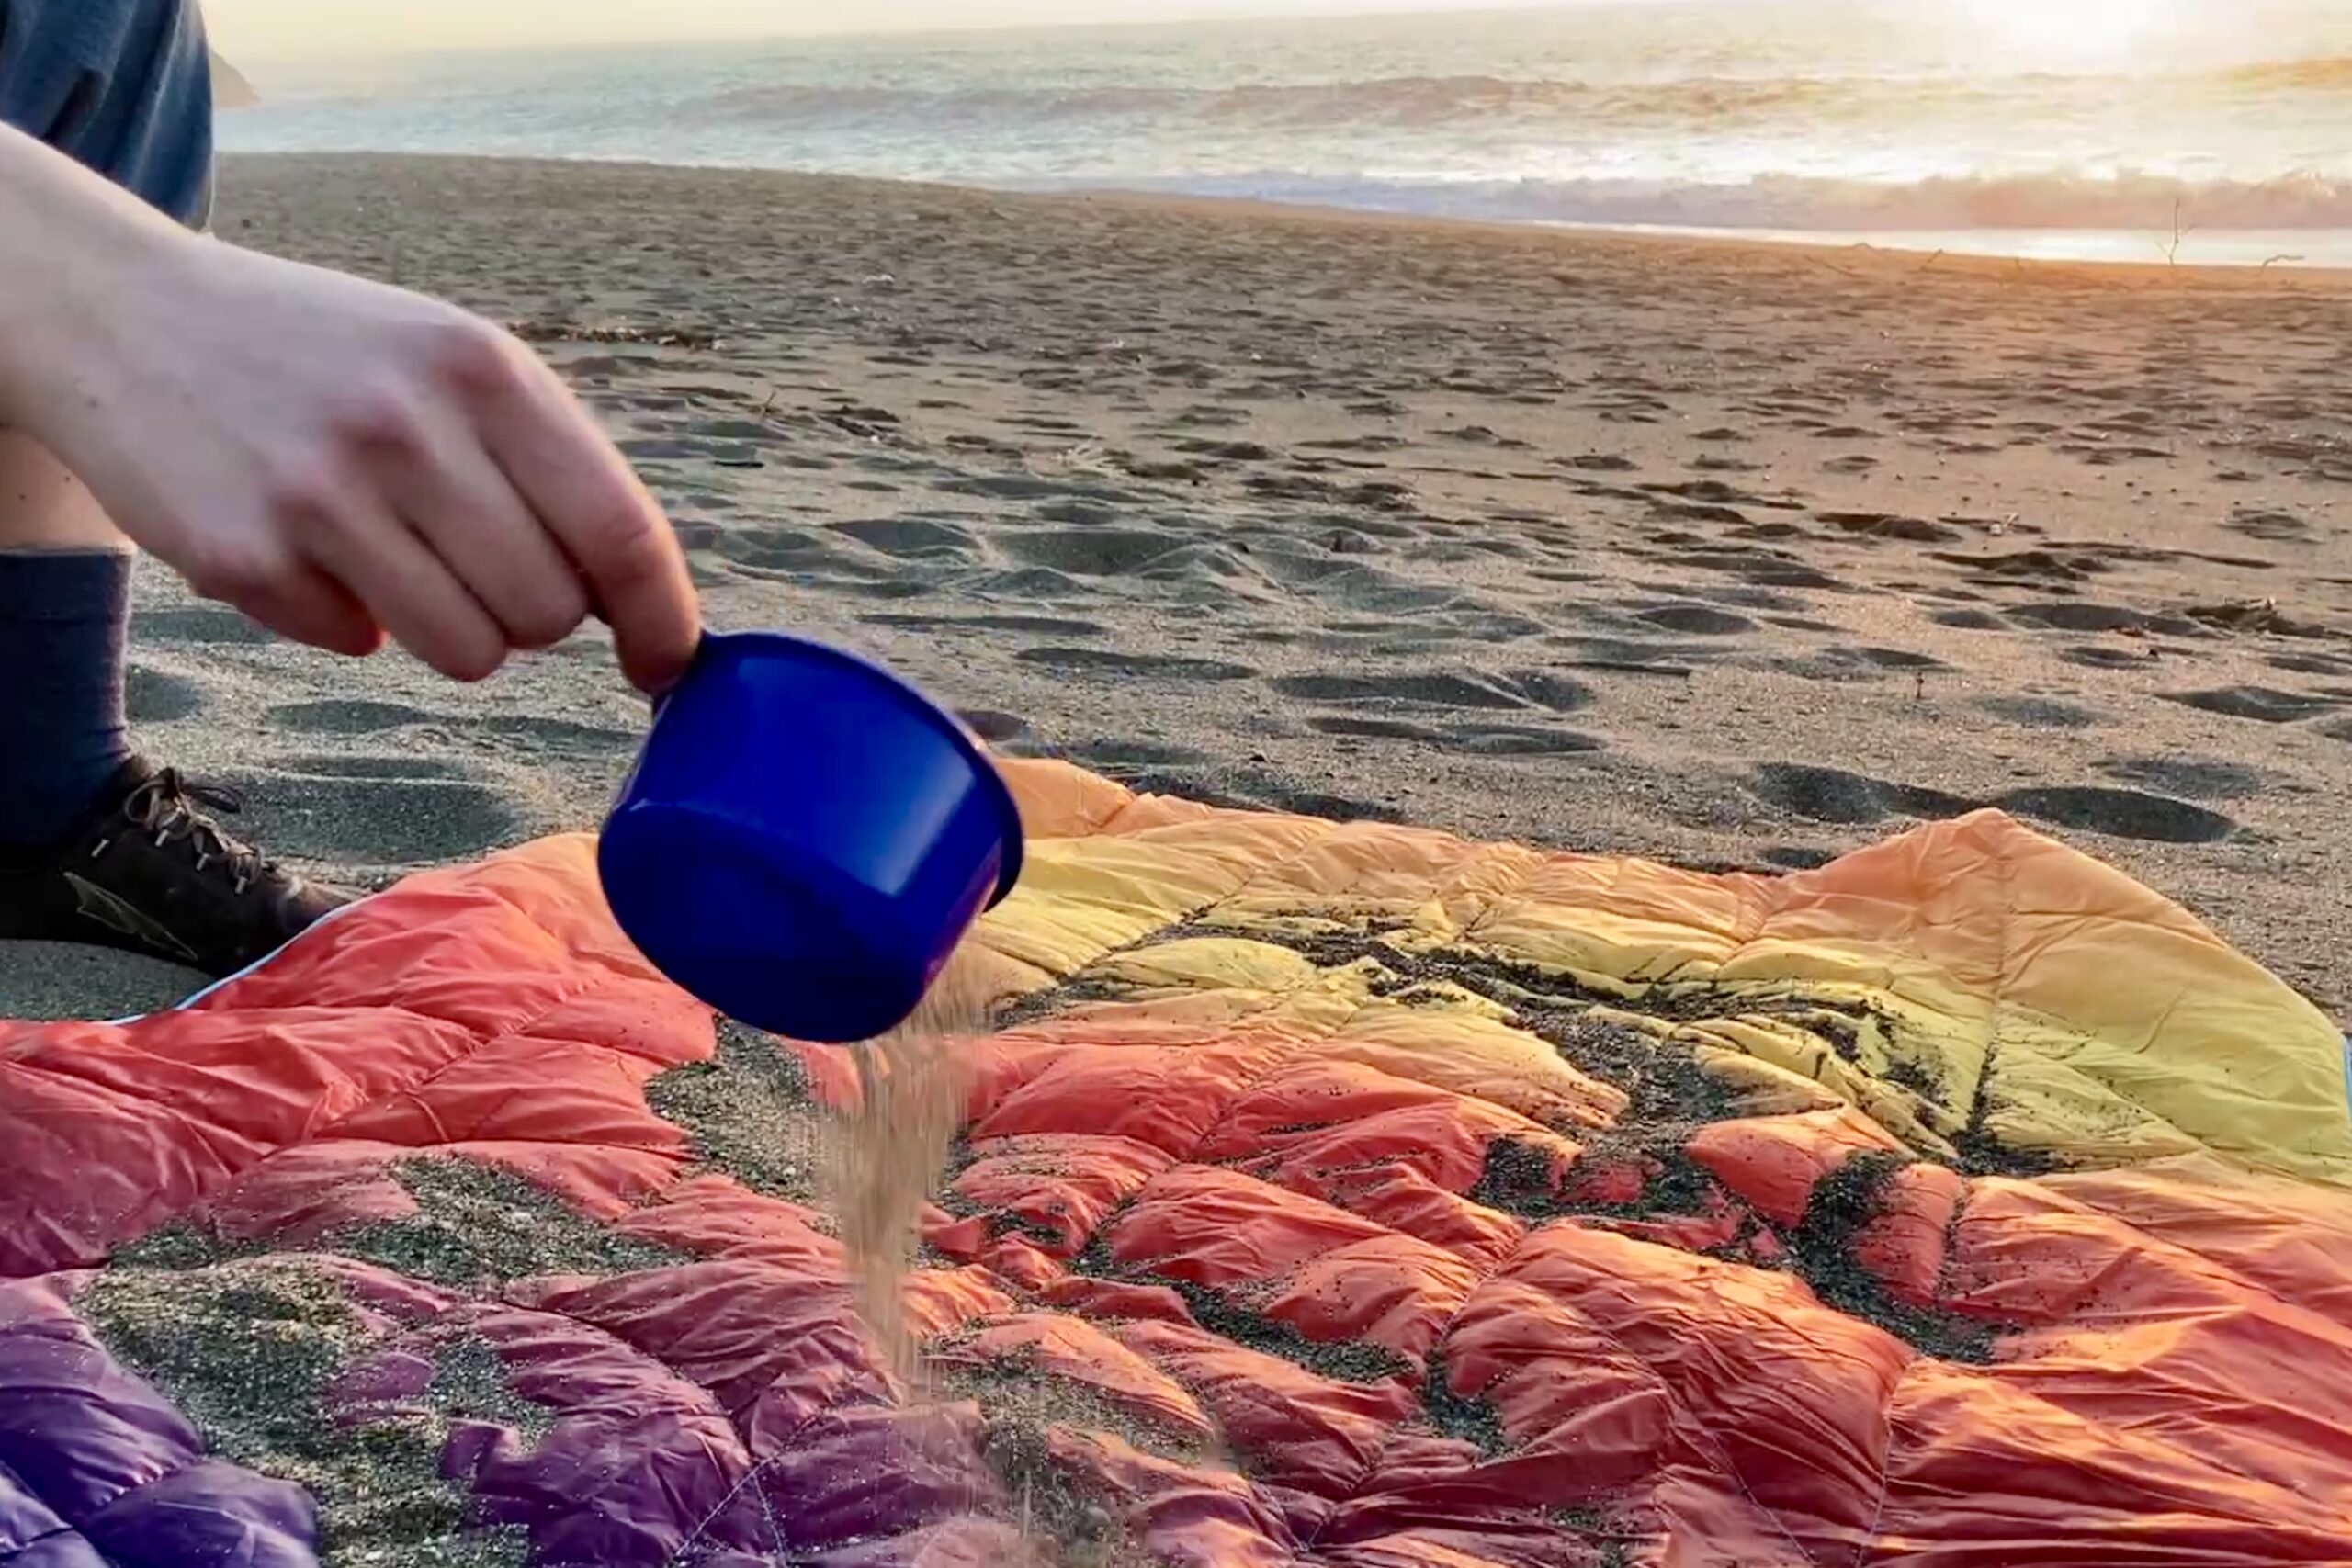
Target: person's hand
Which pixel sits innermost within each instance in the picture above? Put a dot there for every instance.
(342, 460)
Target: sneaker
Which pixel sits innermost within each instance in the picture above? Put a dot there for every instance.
(150, 872)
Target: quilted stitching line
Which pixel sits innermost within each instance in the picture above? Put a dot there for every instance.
(601, 980)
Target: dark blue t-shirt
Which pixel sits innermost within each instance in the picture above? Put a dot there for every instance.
(124, 86)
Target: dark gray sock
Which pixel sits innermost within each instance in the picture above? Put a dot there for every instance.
(64, 615)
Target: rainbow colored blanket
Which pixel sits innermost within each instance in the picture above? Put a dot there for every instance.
(1346, 1196)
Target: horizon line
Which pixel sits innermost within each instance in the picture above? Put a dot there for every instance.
(1367, 10)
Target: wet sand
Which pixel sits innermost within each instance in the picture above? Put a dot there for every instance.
(1735, 556)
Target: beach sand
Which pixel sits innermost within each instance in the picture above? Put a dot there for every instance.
(1735, 555)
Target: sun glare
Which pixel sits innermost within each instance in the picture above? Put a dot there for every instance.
(2068, 32)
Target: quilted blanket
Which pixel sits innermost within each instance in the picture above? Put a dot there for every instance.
(1350, 1196)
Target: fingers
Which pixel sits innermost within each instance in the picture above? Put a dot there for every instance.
(311, 607)
(598, 512)
(460, 503)
(408, 591)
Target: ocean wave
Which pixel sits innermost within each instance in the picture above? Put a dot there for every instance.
(1384, 101)
(1789, 202)
(1406, 101)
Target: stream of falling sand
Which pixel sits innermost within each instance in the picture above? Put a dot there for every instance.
(891, 1149)
(886, 1157)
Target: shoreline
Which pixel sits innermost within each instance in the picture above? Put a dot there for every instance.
(1722, 555)
(1901, 244)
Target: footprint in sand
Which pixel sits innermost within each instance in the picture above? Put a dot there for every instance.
(384, 817)
(776, 548)
(558, 737)
(1125, 758)
(1516, 740)
(1844, 664)
(1889, 525)
(2040, 713)
(2311, 663)
(1502, 694)
(1032, 626)
(357, 717)
(2261, 704)
(661, 449)
(198, 623)
(1763, 568)
(1082, 514)
(2198, 778)
(2119, 813)
(1088, 552)
(913, 538)
(2026, 565)
(1378, 729)
(345, 716)
(1029, 487)
(156, 696)
(998, 728)
(1796, 857)
(1696, 620)
(2270, 525)
(1269, 789)
(2074, 615)
(342, 765)
(2092, 656)
(1832, 794)
(1145, 666)
(1472, 739)
(1033, 584)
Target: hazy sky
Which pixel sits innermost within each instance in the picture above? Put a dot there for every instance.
(261, 30)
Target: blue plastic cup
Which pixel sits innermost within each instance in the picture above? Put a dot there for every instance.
(806, 838)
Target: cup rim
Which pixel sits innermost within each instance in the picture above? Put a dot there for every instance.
(738, 646)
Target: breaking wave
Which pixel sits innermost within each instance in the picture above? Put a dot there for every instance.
(2127, 201)
(1407, 101)
(1391, 101)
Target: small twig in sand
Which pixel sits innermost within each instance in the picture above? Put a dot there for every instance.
(2172, 251)
(2269, 262)
(1930, 262)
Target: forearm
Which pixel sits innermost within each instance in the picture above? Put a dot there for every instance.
(69, 242)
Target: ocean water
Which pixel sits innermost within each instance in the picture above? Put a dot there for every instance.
(2080, 128)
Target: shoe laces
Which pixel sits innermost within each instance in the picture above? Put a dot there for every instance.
(173, 809)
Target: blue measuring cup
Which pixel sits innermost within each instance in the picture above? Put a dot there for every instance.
(806, 838)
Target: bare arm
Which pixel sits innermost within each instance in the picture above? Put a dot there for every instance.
(339, 459)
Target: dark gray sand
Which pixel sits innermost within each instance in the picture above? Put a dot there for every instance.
(1734, 556)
